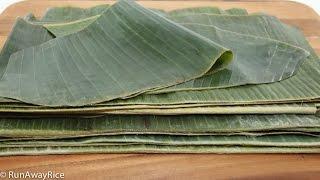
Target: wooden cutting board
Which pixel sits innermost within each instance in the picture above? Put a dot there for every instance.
(174, 166)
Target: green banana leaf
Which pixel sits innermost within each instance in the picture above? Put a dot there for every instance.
(265, 93)
(120, 64)
(236, 11)
(68, 20)
(301, 87)
(283, 140)
(246, 48)
(61, 17)
(260, 109)
(298, 57)
(63, 29)
(67, 14)
(149, 124)
(7, 151)
(21, 109)
(23, 35)
(310, 129)
(259, 43)
(197, 10)
(207, 10)
(251, 74)
(252, 55)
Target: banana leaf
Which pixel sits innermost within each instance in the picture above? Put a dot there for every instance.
(282, 72)
(236, 11)
(7, 151)
(67, 14)
(207, 10)
(258, 42)
(59, 19)
(23, 35)
(301, 87)
(263, 93)
(197, 10)
(251, 74)
(283, 140)
(310, 129)
(120, 64)
(148, 124)
(252, 54)
(20, 110)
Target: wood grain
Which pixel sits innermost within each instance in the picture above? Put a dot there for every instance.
(174, 166)
(171, 166)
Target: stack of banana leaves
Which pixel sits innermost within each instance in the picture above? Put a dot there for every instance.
(124, 78)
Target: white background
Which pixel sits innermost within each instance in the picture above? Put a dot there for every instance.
(315, 4)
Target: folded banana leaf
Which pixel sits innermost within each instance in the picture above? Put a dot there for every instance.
(186, 63)
(243, 70)
(301, 87)
(260, 109)
(252, 55)
(284, 91)
(23, 35)
(252, 72)
(149, 124)
(9, 151)
(310, 129)
(24, 110)
(124, 60)
(284, 140)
